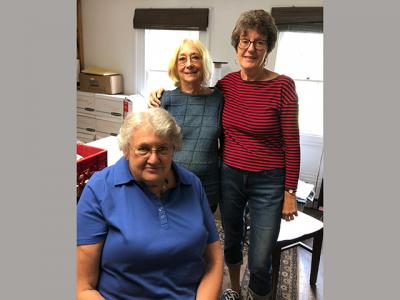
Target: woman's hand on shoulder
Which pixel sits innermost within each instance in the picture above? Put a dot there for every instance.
(289, 209)
(154, 98)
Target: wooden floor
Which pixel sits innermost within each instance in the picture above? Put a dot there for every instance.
(305, 290)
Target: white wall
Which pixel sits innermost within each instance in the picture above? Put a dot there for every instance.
(109, 36)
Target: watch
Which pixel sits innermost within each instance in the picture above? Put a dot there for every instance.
(290, 191)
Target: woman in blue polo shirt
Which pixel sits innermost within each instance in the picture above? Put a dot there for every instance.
(145, 229)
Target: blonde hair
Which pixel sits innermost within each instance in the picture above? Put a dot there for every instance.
(159, 119)
(206, 62)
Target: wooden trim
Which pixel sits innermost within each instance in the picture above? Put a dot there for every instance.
(171, 18)
(79, 35)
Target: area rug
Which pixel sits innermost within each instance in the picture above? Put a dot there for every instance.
(287, 282)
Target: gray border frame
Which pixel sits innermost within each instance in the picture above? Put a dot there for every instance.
(362, 148)
(37, 215)
(38, 91)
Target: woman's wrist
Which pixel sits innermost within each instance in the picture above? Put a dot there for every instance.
(290, 191)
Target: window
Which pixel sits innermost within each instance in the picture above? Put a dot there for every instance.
(158, 32)
(300, 56)
(154, 48)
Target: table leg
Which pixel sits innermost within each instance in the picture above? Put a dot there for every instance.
(316, 254)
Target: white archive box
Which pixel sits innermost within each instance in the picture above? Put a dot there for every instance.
(85, 128)
(85, 137)
(85, 103)
(85, 123)
(107, 127)
(101, 115)
(112, 107)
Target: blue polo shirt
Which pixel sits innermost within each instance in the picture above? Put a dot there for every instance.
(153, 248)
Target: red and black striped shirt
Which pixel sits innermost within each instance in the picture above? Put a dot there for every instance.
(260, 124)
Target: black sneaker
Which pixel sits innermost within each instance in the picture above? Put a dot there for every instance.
(230, 294)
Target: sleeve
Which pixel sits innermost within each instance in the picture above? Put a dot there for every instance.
(91, 225)
(221, 133)
(208, 216)
(165, 99)
(290, 133)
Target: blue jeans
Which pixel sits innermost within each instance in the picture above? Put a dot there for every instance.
(263, 193)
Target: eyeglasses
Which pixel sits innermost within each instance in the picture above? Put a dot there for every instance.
(258, 44)
(147, 151)
(195, 58)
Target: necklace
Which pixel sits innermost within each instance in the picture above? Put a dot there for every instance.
(164, 187)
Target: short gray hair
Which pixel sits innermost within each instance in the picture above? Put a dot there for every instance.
(258, 20)
(159, 119)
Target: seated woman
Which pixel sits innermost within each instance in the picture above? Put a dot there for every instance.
(145, 230)
(197, 109)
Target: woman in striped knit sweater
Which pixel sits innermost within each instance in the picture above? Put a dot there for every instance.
(261, 153)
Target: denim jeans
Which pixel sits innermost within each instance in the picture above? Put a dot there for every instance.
(263, 193)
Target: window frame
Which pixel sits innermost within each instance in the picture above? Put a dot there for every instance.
(312, 145)
(316, 131)
(140, 59)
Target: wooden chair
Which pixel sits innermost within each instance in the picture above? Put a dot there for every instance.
(292, 234)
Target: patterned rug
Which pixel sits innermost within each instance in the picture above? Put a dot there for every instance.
(287, 285)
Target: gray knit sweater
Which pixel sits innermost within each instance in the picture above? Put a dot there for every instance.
(199, 116)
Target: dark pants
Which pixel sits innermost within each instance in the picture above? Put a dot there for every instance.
(263, 193)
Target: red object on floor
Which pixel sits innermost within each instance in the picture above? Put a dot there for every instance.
(94, 159)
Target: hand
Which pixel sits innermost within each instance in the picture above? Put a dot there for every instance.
(289, 209)
(154, 98)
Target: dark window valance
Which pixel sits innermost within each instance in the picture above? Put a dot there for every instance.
(298, 18)
(171, 18)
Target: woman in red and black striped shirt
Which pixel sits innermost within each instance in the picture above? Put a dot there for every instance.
(261, 153)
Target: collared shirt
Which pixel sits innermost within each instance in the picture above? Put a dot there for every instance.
(153, 248)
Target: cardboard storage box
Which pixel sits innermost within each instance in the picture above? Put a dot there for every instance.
(107, 84)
